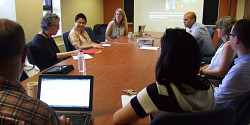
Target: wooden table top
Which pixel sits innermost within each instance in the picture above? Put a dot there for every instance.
(121, 66)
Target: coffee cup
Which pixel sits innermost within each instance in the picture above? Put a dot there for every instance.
(32, 89)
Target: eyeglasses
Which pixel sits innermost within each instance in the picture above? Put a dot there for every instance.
(229, 34)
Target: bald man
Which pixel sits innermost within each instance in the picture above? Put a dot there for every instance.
(200, 32)
(16, 106)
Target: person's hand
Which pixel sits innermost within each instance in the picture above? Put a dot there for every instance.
(75, 52)
(99, 46)
(103, 42)
(65, 121)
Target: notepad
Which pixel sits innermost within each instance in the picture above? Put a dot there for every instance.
(91, 51)
(126, 99)
(105, 44)
(150, 47)
(86, 56)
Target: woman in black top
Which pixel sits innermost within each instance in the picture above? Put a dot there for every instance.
(46, 51)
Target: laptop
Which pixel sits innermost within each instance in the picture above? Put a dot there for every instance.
(69, 95)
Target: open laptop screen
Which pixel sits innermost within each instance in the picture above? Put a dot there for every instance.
(69, 92)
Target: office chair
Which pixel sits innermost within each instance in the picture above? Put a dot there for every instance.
(242, 107)
(30, 58)
(30, 52)
(207, 59)
(222, 116)
(99, 32)
(211, 31)
(90, 33)
(67, 44)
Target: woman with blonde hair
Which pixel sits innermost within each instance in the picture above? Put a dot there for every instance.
(118, 26)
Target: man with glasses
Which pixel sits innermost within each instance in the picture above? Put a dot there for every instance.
(237, 81)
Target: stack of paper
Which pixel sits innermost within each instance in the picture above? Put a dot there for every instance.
(150, 47)
(86, 56)
(105, 44)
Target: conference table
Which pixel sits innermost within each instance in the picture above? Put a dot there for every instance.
(121, 66)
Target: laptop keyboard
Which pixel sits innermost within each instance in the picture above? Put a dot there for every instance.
(80, 119)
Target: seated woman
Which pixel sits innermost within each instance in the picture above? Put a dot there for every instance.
(118, 26)
(78, 37)
(223, 56)
(46, 51)
(177, 87)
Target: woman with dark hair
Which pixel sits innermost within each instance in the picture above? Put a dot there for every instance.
(78, 37)
(46, 52)
(224, 55)
(118, 26)
(178, 88)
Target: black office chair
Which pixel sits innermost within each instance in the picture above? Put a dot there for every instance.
(30, 58)
(211, 31)
(242, 107)
(207, 59)
(30, 52)
(90, 33)
(222, 116)
(99, 31)
(67, 44)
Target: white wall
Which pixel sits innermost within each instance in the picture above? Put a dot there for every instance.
(93, 10)
(8, 9)
(240, 9)
(29, 14)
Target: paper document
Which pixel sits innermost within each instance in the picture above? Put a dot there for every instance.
(105, 44)
(150, 47)
(86, 56)
(126, 99)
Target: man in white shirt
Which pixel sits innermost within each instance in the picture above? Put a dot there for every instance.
(200, 32)
(236, 82)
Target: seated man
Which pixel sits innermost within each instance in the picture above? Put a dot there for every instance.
(236, 82)
(200, 32)
(16, 106)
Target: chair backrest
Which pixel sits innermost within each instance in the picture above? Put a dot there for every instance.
(222, 116)
(220, 42)
(90, 33)
(99, 32)
(242, 106)
(30, 52)
(211, 31)
(67, 44)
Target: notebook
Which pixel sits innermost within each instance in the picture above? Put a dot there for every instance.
(91, 51)
(68, 94)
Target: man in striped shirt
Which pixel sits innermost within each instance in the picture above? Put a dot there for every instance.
(200, 32)
(16, 107)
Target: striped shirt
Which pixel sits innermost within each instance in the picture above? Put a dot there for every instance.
(155, 99)
(17, 108)
(203, 38)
